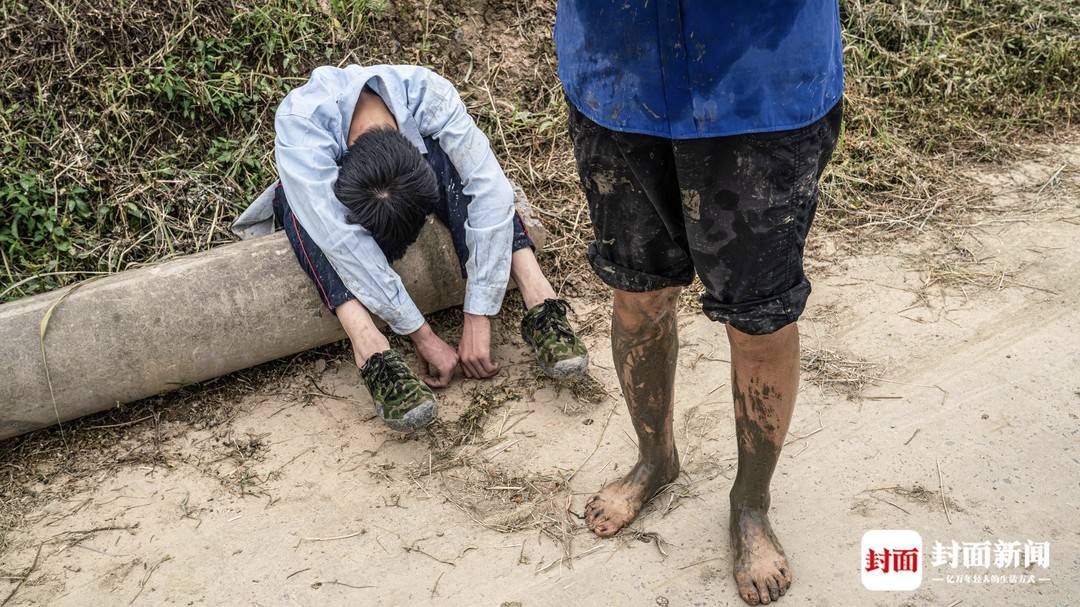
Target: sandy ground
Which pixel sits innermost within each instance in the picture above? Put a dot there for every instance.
(309, 501)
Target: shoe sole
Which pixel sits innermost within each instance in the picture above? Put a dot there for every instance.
(567, 368)
(416, 418)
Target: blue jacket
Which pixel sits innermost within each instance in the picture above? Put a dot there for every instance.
(699, 68)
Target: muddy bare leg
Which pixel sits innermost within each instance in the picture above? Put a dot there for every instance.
(764, 381)
(645, 345)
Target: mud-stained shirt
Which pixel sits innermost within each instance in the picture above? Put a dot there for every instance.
(685, 69)
(311, 127)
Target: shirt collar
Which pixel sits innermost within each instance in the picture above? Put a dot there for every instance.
(406, 123)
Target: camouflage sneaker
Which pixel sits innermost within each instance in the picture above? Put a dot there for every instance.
(558, 350)
(404, 402)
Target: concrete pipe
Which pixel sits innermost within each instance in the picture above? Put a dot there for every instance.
(146, 331)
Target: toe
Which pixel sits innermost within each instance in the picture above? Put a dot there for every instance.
(747, 592)
(774, 588)
(785, 579)
(595, 517)
(605, 529)
(763, 592)
(591, 507)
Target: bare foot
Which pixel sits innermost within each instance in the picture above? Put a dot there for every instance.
(617, 504)
(761, 569)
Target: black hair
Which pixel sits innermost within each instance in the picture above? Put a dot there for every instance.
(388, 188)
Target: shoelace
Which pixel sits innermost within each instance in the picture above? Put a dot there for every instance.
(552, 317)
(387, 370)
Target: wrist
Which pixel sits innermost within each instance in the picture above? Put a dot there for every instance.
(424, 333)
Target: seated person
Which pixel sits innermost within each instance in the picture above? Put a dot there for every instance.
(365, 154)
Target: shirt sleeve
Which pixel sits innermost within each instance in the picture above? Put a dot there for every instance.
(489, 230)
(305, 155)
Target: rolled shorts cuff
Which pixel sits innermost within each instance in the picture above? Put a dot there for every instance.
(634, 281)
(762, 316)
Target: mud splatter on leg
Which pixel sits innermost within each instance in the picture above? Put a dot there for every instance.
(764, 381)
(645, 346)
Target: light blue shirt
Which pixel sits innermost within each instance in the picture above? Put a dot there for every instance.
(312, 125)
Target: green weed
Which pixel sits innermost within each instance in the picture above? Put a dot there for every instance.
(134, 131)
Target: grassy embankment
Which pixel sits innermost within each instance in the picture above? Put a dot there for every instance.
(135, 131)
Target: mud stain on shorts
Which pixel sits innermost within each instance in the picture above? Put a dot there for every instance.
(603, 182)
(691, 200)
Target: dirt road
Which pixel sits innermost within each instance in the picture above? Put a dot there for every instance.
(928, 370)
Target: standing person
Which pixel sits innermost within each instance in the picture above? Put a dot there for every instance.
(365, 154)
(701, 130)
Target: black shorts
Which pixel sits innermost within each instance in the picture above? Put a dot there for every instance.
(735, 210)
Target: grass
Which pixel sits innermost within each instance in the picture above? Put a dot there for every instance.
(935, 87)
(136, 131)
